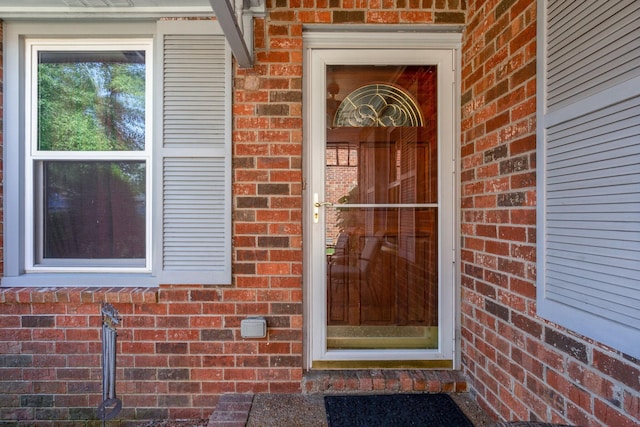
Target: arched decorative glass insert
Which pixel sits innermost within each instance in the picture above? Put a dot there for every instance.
(378, 105)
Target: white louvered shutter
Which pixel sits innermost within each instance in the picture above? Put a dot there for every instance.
(589, 169)
(193, 225)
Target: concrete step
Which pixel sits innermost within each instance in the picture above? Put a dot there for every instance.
(307, 408)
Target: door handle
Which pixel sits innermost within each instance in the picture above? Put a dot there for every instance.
(316, 207)
(318, 204)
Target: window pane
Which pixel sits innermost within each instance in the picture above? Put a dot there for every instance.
(91, 101)
(94, 210)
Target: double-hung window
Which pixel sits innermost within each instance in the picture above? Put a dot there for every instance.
(117, 154)
(88, 157)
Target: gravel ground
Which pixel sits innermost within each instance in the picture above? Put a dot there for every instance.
(278, 410)
(176, 423)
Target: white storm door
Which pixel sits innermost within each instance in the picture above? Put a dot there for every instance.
(380, 202)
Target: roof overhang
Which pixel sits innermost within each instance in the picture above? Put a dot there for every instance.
(235, 17)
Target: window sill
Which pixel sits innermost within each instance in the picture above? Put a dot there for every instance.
(80, 280)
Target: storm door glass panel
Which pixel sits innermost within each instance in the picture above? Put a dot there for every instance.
(382, 226)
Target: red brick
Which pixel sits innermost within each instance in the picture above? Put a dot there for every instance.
(185, 308)
(497, 247)
(49, 308)
(632, 404)
(33, 347)
(14, 309)
(576, 415)
(138, 348)
(512, 234)
(167, 293)
(151, 309)
(38, 335)
(150, 335)
(181, 361)
(240, 375)
(82, 335)
(274, 269)
(612, 416)
(172, 322)
(486, 231)
(150, 361)
(523, 216)
(219, 387)
(231, 295)
(617, 369)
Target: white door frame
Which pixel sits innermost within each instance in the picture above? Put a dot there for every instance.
(358, 48)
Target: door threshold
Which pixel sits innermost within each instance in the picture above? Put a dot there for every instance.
(382, 337)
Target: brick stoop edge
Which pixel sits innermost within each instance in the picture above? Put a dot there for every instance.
(384, 381)
(233, 410)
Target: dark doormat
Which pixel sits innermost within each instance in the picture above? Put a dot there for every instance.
(424, 410)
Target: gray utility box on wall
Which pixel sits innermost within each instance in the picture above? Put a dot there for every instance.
(253, 327)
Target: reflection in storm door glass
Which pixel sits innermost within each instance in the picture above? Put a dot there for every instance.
(381, 233)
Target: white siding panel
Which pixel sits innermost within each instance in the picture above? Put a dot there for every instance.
(596, 127)
(607, 252)
(601, 303)
(589, 169)
(593, 166)
(598, 53)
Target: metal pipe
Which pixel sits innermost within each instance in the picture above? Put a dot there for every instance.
(112, 364)
(111, 405)
(105, 355)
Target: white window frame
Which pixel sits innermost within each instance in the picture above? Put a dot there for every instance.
(33, 155)
(211, 263)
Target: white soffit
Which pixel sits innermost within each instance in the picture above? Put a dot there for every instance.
(35, 9)
(64, 8)
(235, 16)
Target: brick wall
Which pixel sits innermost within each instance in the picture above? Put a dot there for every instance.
(179, 347)
(521, 366)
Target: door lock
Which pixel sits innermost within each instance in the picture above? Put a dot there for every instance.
(316, 207)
